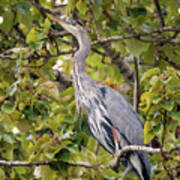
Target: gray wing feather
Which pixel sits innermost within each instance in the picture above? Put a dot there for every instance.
(126, 120)
(123, 117)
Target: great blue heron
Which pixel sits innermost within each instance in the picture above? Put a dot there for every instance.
(111, 119)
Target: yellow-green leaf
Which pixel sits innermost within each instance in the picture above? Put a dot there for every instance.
(148, 134)
(2, 174)
(33, 36)
(81, 6)
(136, 47)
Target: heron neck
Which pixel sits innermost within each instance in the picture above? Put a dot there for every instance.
(81, 55)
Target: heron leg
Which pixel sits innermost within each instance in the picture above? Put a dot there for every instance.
(129, 168)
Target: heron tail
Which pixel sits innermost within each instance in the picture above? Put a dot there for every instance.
(141, 165)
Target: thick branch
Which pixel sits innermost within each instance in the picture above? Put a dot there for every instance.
(63, 81)
(120, 62)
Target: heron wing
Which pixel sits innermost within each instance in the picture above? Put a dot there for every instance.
(129, 126)
(122, 115)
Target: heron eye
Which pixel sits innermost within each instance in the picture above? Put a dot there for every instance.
(79, 23)
(69, 21)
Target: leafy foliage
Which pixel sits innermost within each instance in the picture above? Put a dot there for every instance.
(39, 123)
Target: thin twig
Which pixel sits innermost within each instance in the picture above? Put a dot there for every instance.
(159, 12)
(94, 22)
(176, 66)
(17, 39)
(33, 56)
(97, 149)
(177, 147)
(136, 85)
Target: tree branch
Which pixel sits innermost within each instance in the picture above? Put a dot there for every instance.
(158, 8)
(41, 163)
(113, 166)
(138, 35)
(176, 66)
(81, 164)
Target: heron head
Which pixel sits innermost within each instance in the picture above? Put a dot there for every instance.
(71, 26)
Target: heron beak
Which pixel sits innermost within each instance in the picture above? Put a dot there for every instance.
(59, 20)
(66, 25)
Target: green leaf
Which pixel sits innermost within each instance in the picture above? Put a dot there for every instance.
(59, 166)
(47, 173)
(71, 4)
(20, 170)
(81, 6)
(66, 92)
(139, 11)
(113, 25)
(156, 128)
(119, 46)
(156, 99)
(176, 115)
(24, 8)
(148, 56)
(154, 79)
(146, 100)
(7, 21)
(136, 47)
(47, 23)
(110, 173)
(9, 137)
(94, 60)
(7, 107)
(23, 14)
(36, 45)
(147, 75)
(177, 22)
(168, 105)
(63, 154)
(97, 10)
(41, 106)
(30, 113)
(7, 152)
